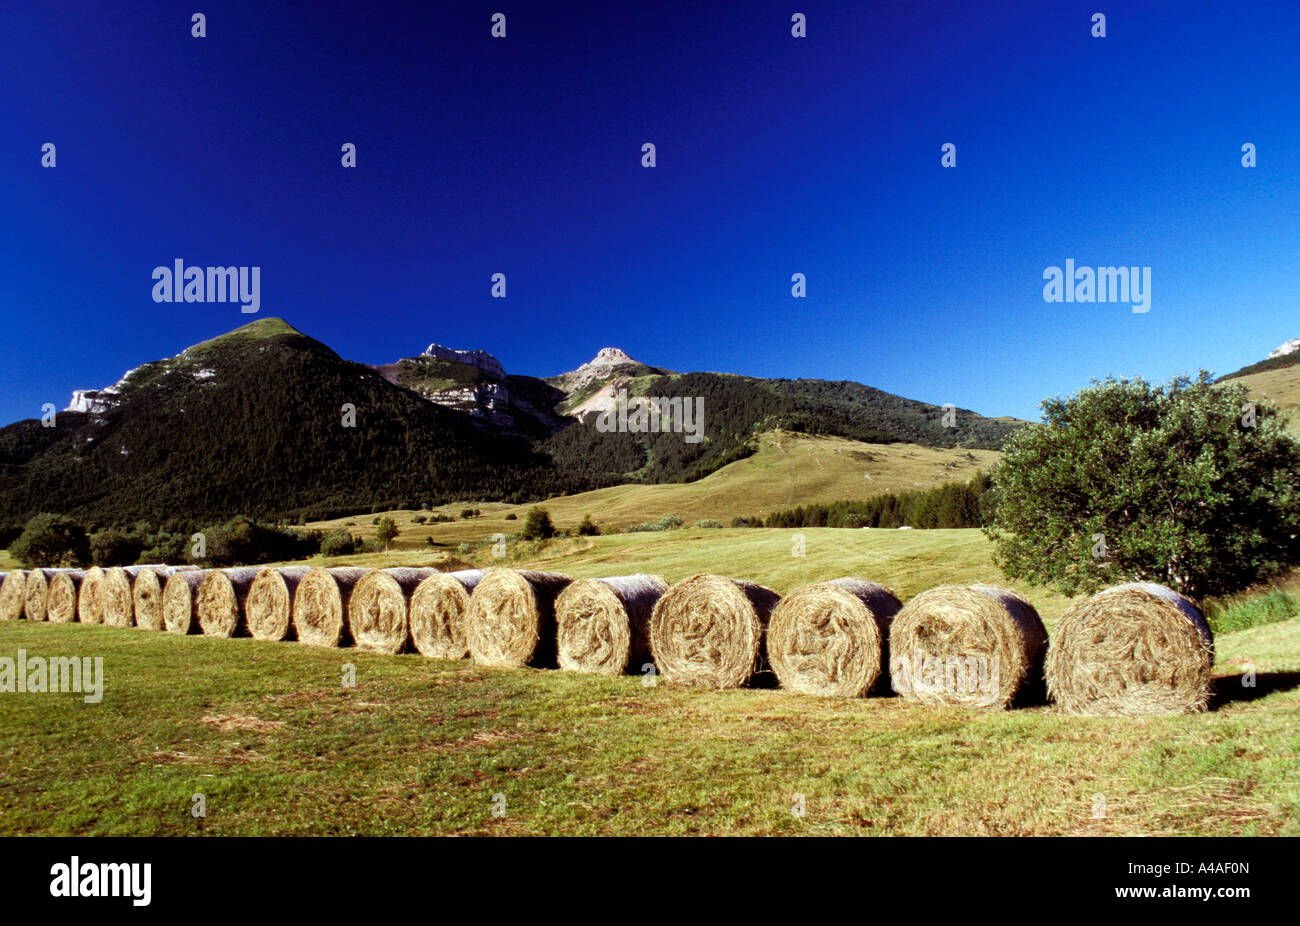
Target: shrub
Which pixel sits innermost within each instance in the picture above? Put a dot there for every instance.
(165, 548)
(709, 522)
(112, 547)
(243, 541)
(512, 517)
(52, 540)
(338, 543)
(1178, 484)
(537, 526)
(588, 527)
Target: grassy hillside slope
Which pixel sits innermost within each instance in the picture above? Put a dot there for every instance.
(1280, 387)
(787, 470)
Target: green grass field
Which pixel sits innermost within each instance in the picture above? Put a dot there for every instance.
(276, 743)
(786, 470)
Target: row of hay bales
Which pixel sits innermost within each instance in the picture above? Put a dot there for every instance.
(1133, 649)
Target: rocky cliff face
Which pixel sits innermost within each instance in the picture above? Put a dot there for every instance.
(1290, 347)
(479, 359)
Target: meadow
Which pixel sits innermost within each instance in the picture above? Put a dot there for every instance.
(277, 743)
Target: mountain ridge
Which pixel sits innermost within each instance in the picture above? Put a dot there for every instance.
(251, 422)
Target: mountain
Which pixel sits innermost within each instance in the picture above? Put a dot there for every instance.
(1275, 380)
(1286, 355)
(593, 387)
(252, 422)
(256, 422)
(474, 382)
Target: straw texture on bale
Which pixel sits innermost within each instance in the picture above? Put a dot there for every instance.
(36, 593)
(320, 605)
(707, 631)
(968, 646)
(13, 594)
(511, 618)
(378, 609)
(221, 598)
(437, 612)
(90, 601)
(269, 606)
(147, 594)
(181, 600)
(603, 625)
(832, 638)
(1132, 650)
(116, 601)
(61, 600)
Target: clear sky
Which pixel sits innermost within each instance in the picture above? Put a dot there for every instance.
(775, 155)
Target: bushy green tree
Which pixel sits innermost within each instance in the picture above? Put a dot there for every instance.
(1186, 484)
(537, 526)
(113, 547)
(386, 532)
(164, 547)
(52, 540)
(588, 527)
(338, 542)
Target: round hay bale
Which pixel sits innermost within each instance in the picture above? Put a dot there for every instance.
(13, 595)
(832, 638)
(36, 593)
(603, 625)
(90, 602)
(61, 600)
(436, 613)
(707, 631)
(180, 601)
(269, 606)
(1132, 650)
(147, 594)
(511, 618)
(116, 602)
(377, 610)
(968, 646)
(320, 605)
(220, 601)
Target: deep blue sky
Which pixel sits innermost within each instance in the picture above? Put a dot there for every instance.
(775, 155)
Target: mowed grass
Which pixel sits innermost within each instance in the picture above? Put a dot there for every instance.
(277, 745)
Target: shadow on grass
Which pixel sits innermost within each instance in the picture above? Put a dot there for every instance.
(1227, 689)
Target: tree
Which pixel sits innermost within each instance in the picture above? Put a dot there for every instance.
(588, 527)
(1186, 484)
(52, 540)
(537, 526)
(338, 542)
(112, 547)
(385, 532)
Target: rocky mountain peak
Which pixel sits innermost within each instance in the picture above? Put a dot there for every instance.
(475, 358)
(1290, 347)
